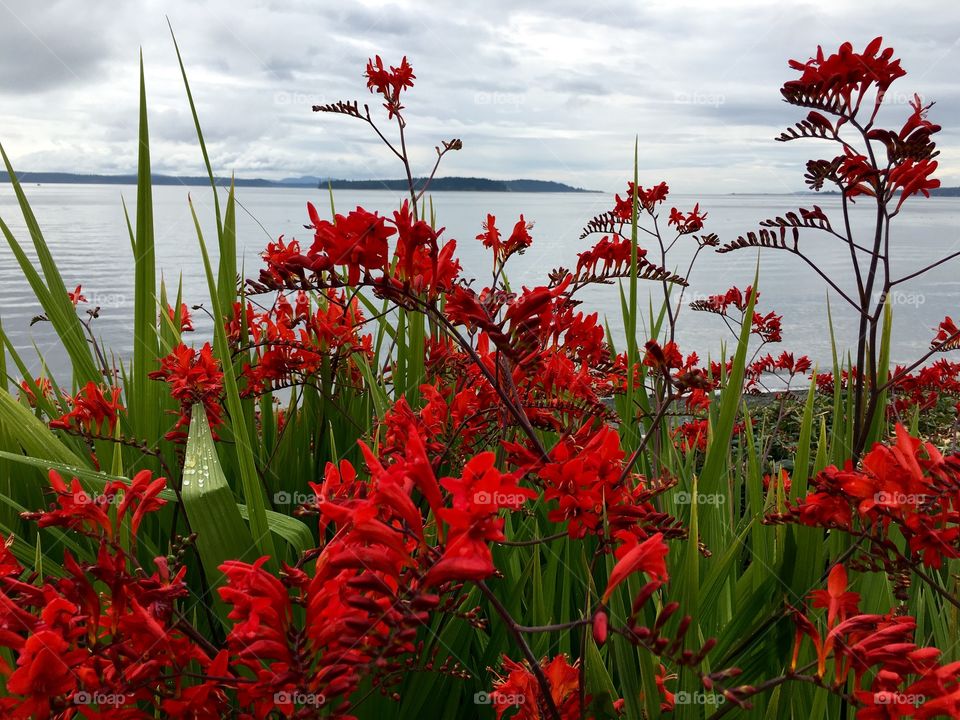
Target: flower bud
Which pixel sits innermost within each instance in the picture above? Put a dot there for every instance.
(600, 627)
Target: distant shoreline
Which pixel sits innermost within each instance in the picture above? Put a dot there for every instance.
(442, 184)
(458, 184)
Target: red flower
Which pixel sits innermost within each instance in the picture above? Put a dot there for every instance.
(839, 602)
(948, 335)
(518, 241)
(472, 522)
(421, 263)
(648, 556)
(76, 297)
(181, 318)
(911, 177)
(194, 377)
(42, 384)
(206, 701)
(43, 673)
(144, 493)
(357, 240)
(662, 358)
(490, 237)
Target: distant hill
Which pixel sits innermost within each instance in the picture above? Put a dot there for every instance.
(307, 181)
(458, 184)
(946, 192)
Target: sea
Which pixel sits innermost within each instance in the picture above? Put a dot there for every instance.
(85, 229)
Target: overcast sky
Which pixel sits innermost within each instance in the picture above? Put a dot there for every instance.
(552, 90)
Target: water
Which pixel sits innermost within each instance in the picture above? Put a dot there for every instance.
(85, 228)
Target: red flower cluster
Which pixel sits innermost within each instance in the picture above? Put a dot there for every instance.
(721, 304)
(87, 513)
(472, 522)
(923, 389)
(358, 244)
(839, 82)
(647, 200)
(907, 487)
(783, 365)
(43, 385)
(584, 480)
(193, 377)
(291, 343)
(687, 223)
(94, 410)
(613, 253)
(520, 690)
(892, 676)
(518, 241)
(107, 633)
(767, 327)
(389, 83)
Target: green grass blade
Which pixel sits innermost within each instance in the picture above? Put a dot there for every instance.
(145, 398)
(196, 123)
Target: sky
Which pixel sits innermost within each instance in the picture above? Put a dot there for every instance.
(553, 90)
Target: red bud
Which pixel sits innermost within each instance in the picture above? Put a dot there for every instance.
(600, 627)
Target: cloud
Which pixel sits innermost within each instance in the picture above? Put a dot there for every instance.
(551, 90)
(42, 49)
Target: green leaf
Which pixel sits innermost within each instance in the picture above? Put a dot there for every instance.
(209, 503)
(31, 434)
(253, 493)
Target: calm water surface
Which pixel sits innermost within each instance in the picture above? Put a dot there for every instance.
(85, 229)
